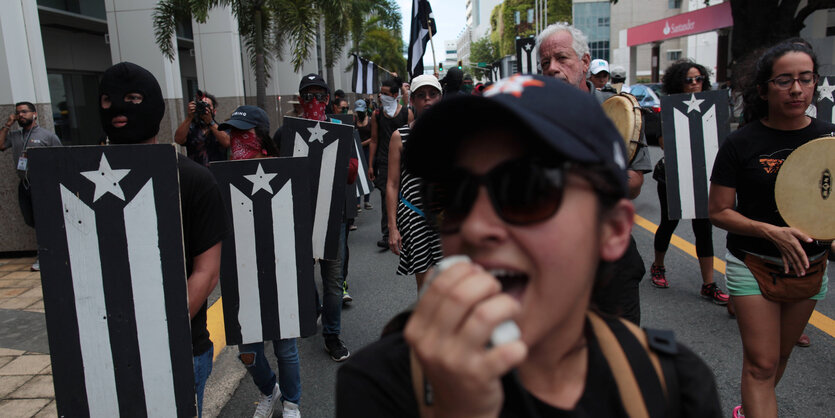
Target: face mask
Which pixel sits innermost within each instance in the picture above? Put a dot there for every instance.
(143, 118)
(467, 88)
(314, 110)
(389, 105)
(245, 145)
(360, 116)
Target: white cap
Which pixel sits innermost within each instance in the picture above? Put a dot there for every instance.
(598, 65)
(425, 80)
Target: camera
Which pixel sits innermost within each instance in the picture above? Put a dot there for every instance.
(200, 107)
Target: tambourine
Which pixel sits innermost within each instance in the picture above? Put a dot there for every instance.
(804, 189)
(625, 113)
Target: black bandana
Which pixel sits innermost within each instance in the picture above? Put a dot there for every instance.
(143, 118)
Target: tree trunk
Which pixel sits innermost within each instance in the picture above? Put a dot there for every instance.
(260, 69)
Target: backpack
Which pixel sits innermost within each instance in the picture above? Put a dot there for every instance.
(641, 361)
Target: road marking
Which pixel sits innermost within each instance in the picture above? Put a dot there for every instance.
(819, 320)
(214, 323)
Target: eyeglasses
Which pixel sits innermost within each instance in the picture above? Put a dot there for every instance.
(784, 82)
(522, 192)
(697, 79)
(432, 94)
(310, 96)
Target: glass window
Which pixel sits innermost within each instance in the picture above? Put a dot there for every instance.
(75, 107)
(674, 55)
(594, 20)
(91, 8)
(674, 4)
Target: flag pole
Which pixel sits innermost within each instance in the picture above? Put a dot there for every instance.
(378, 65)
(432, 44)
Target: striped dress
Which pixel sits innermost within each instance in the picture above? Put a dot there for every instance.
(421, 246)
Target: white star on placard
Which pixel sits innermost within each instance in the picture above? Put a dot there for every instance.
(261, 180)
(693, 103)
(106, 179)
(528, 47)
(825, 90)
(317, 133)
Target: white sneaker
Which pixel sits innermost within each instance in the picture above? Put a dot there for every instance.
(37, 265)
(291, 410)
(266, 404)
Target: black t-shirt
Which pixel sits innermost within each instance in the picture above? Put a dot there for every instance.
(749, 161)
(204, 225)
(385, 127)
(376, 382)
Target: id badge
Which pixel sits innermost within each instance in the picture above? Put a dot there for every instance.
(22, 163)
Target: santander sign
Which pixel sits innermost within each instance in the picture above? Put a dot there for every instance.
(691, 23)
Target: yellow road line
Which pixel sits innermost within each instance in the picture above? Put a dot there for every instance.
(214, 323)
(819, 320)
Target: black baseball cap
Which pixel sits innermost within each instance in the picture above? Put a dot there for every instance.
(564, 119)
(311, 80)
(247, 117)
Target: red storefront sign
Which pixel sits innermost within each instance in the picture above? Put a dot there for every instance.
(690, 23)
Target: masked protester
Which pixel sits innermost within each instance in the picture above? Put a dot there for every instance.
(131, 108)
(200, 134)
(363, 124)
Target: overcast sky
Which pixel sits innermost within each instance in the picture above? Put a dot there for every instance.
(450, 18)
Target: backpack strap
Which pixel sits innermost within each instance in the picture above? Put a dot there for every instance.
(627, 351)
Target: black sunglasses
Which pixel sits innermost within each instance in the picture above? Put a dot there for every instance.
(310, 96)
(697, 79)
(521, 191)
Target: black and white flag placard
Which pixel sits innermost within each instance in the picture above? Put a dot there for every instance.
(826, 99)
(114, 279)
(525, 61)
(694, 127)
(364, 184)
(327, 147)
(266, 264)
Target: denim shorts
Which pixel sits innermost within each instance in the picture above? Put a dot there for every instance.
(741, 282)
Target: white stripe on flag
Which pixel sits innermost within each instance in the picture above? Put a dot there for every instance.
(363, 189)
(711, 141)
(323, 199)
(249, 300)
(285, 262)
(685, 165)
(369, 78)
(417, 51)
(149, 303)
(90, 308)
(301, 149)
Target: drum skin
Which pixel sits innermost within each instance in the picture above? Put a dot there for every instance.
(625, 113)
(803, 190)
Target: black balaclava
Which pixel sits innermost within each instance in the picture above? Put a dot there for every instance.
(143, 118)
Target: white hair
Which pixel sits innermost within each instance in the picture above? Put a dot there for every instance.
(580, 42)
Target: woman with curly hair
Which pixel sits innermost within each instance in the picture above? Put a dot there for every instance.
(742, 202)
(684, 77)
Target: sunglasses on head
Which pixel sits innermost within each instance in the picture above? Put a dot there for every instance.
(310, 96)
(521, 191)
(697, 79)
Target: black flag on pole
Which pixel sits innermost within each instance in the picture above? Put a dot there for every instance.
(114, 279)
(365, 76)
(266, 273)
(525, 62)
(826, 98)
(694, 127)
(422, 22)
(327, 147)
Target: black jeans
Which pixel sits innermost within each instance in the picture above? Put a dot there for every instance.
(380, 179)
(24, 198)
(619, 294)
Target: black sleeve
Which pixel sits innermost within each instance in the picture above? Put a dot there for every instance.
(204, 215)
(277, 141)
(726, 164)
(697, 386)
(376, 382)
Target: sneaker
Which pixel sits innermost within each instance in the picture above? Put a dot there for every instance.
(266, 404)
(352, 228)
(291, 410)
(738, 412)
(336, 348)
(368, 206)
(804, 341)
(712, 292)
(657, 273)
(37, 265)
(346, 297)
(383, 243)
(359, 208)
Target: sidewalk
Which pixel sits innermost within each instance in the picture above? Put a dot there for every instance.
(25, 374)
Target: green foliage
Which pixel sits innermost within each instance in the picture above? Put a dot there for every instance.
(503, 21)
(484, 50)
